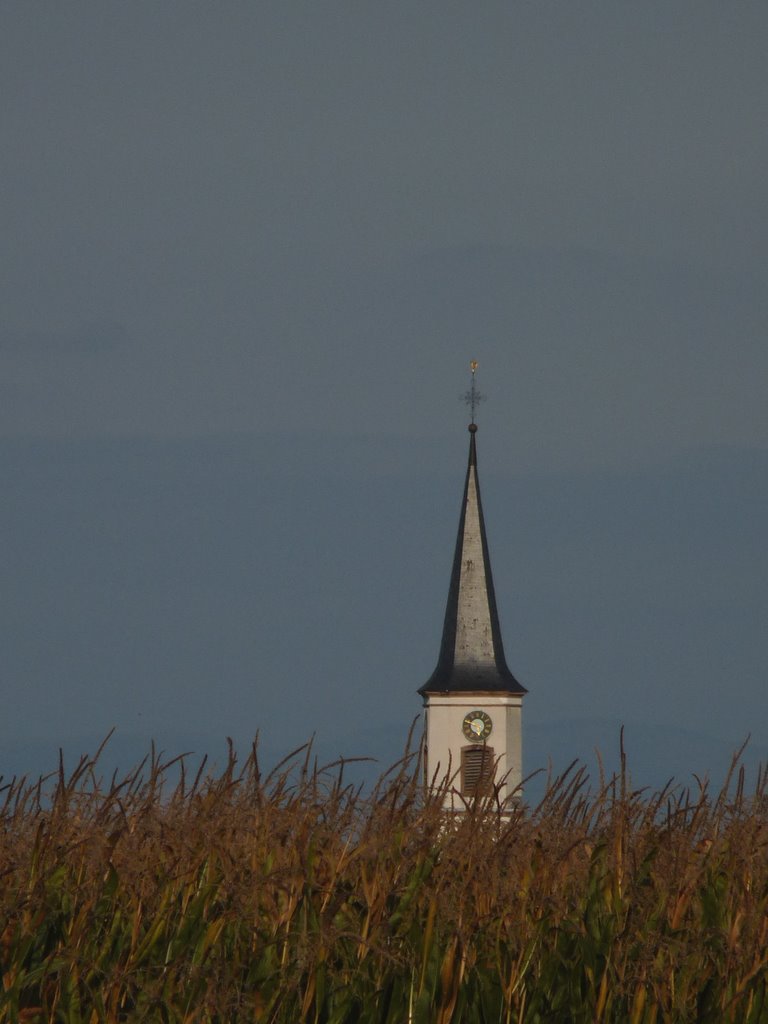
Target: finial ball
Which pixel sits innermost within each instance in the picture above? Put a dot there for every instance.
(472, 428)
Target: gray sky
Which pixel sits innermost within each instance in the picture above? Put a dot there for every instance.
(247, 252)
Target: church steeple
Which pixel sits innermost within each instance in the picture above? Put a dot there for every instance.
(471, 653)
(473, 704)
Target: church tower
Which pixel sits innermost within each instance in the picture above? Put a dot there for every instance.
(473, 703)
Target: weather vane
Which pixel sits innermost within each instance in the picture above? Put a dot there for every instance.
(472, 397)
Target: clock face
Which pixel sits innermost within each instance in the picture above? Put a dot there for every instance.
(477, 726)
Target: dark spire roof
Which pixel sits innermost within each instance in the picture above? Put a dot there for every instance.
(471, 654)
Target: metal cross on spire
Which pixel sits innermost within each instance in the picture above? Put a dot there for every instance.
(472, 396)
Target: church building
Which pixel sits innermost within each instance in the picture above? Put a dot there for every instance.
(473, 703)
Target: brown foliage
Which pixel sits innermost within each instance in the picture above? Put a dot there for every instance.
(296, 897)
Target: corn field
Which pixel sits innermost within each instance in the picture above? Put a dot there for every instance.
(295, 897)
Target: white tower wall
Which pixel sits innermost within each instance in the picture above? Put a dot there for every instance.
(445, 740)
